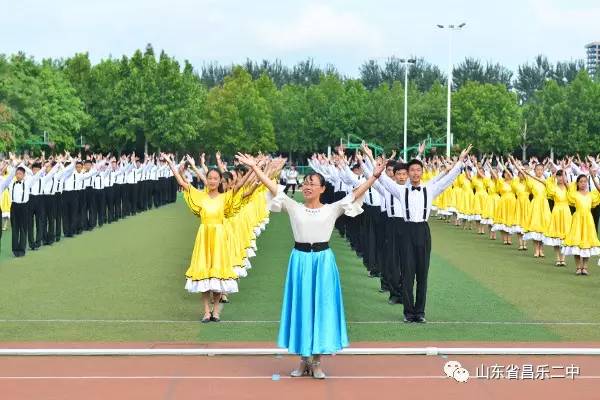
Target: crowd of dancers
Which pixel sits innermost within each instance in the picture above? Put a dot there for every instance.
(549, 203)
(232, 208)
(45, 199)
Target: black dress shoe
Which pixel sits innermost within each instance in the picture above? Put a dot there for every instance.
(394, 300)
(408, 320)
(420, 320)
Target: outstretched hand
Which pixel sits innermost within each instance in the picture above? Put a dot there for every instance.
(246, 159)
(190, 160)
(379, 168)
(465, 152)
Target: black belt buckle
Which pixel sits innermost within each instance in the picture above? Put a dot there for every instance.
(310, 247)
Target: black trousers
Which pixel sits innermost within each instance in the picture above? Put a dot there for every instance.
(353, 225)
(35, 227)
(49, 218)
(381, 237)
(369, 238)
(58, 215)
(90, 214)
(143, 195)
(132, 195)
(416, 251)
(70, 208)
(81, 202)
(118, 200)
(109, 203)
(174, 188)
(140, 196)
(19, 220)
(149, 185)
(288, 186)
(99, 212)
(395, 231)
(156, 192)
(162, 191)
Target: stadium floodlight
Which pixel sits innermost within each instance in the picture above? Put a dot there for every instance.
(450, 67)
(406, 62)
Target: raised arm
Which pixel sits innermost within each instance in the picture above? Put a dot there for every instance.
(441, 185)
(594, 178)
(198, 173)
(522, 170)
(251, 163)
(368, 173)
(11, 174)
(359, 191)
(347, 176)
(182, 182)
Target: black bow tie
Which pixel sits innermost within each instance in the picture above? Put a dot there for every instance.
(416, 188)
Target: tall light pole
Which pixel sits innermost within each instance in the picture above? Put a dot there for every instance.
(450, 29)
(406, 63)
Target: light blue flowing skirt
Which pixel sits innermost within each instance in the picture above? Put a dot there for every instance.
(312, 314)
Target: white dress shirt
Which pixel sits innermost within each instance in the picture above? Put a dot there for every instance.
(418, 210)
(305, 220)
(19, 190)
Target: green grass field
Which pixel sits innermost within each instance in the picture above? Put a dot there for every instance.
(124, 282)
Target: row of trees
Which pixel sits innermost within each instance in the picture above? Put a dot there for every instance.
(147, 102)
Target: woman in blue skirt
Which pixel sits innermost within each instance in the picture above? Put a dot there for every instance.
(312, 314)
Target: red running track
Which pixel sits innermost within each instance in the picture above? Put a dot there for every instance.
(255, 377)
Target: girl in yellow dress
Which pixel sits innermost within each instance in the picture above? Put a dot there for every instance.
(5, 204)
(455, 199)
(491, 203)
(479, 200)
(465, 200)
(504, 214)
(210, 271)
(539, 208)
(519, 187)
(444, 202)
(582, 240)
(560, 219)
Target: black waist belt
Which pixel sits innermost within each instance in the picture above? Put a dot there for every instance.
(308, 247)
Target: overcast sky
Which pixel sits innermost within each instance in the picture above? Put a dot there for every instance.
(343, 33)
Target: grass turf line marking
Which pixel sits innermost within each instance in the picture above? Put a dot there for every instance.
(149, 321)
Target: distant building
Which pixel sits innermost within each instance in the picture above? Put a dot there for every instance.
(592, 57)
